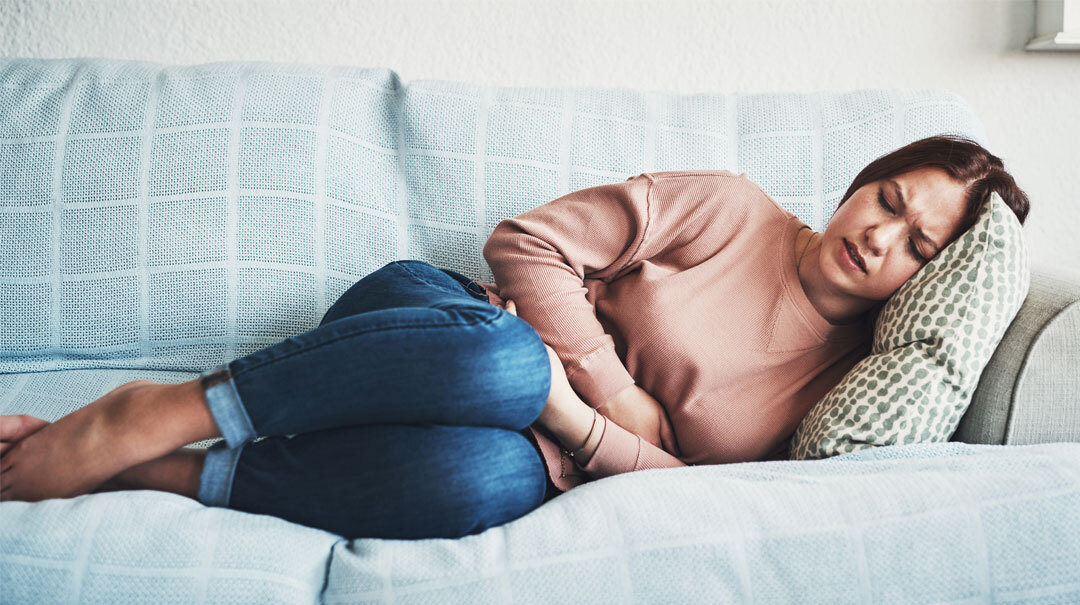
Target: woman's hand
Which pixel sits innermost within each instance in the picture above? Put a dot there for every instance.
(638, 412)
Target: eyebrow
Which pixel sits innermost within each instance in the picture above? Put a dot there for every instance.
(900, 197)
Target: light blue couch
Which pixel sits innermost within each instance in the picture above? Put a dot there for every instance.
(158, 220)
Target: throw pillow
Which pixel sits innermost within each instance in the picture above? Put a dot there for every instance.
(931, 342)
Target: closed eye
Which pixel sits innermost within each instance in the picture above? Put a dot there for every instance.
(884, 204)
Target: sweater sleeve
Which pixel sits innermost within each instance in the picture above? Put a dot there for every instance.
(621, 451)
(541, 258)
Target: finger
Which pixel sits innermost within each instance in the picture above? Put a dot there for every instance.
(4, 445)
(511, 307)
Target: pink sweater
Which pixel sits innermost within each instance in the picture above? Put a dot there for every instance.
(685, 284)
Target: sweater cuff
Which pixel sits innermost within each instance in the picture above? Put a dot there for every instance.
(616, 453)
(600, 377)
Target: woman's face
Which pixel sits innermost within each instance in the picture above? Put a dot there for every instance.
(885, 232)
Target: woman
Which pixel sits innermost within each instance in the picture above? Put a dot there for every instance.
(675, 318)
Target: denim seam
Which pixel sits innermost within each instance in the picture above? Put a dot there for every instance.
(480, 295)
(429, 282)
(355, 334)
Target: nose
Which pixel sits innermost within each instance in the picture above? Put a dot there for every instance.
(880, 237)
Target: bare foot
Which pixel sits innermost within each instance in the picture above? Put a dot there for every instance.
(78, 452)
(14, 429)
(178, 472)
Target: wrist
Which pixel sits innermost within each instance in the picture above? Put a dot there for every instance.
(570, 422)
(593, 441)
(577, 425)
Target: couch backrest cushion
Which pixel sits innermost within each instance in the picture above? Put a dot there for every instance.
(932, 340)
(178, 217)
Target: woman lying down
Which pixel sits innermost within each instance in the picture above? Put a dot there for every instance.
(675, 318)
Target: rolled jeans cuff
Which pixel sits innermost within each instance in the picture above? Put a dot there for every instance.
(215, 481)
(224, 402)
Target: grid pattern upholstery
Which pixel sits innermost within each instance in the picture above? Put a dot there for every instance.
(160, 219)
(918, 523)
(176, 217)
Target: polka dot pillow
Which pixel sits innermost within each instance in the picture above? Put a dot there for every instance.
(932, 340)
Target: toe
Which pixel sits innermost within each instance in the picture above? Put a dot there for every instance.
(13, 428)
(8, 460)
(10, 426)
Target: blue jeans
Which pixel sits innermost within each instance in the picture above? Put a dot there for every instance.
(404, 414)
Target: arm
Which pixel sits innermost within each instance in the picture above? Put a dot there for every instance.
(566, 416)
(609, 449)
(620, 451)
(570, 421)
(541, 258)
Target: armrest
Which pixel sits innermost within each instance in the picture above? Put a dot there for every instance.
(1029, 392)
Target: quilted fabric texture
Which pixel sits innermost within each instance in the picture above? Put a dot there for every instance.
(932, 340)
(923, 523)
(179, 217)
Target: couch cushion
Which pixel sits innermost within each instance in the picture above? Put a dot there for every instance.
(939, 522)
(179, 217)
(932, 339)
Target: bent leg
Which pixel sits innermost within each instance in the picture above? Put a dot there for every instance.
(451, 359)
(382, 481)
(395, 285)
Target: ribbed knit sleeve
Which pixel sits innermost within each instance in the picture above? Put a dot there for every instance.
(621, 451)
(686, 284)
(541, 258)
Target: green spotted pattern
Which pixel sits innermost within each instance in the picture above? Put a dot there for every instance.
(931, 342)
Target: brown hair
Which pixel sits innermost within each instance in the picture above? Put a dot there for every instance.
(967, 162)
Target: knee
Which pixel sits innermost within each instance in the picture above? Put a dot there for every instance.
(512, 483)
(518, 350)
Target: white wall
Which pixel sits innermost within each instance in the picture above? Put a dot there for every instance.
(1029, 101)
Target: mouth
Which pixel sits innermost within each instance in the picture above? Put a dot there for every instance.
(853, 252)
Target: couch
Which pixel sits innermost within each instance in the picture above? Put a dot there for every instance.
(161, 219)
